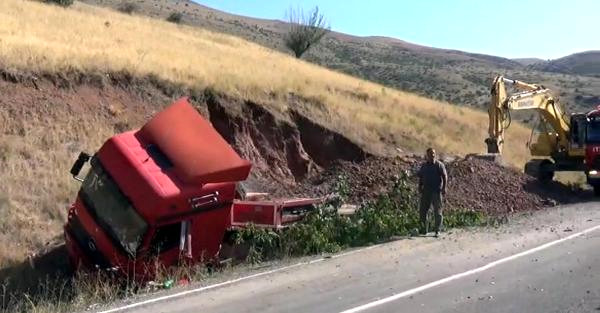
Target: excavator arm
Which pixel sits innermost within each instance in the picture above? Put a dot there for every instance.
(532, 97)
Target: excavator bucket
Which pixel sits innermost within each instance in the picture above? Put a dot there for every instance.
(492, 145)
(492, 157)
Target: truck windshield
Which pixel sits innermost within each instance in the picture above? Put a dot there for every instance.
(593, 132)
(112, 210)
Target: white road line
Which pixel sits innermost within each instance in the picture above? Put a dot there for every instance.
(233, 281)
(460, 275)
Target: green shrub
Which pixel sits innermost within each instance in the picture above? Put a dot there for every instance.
(393, 213)
(128, 7)
(64, 3)
(175, 17)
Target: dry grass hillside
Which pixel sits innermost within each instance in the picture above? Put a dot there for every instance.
(447, 75)
(43, 126)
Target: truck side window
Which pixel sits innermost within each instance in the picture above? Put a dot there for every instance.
(165, 238)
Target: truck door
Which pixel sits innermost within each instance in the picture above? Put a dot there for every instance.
(171, 241)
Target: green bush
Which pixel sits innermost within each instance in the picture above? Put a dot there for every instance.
(393, 213)
(64, 3)
(128, 7)
(175, 17)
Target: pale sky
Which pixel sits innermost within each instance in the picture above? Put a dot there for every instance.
(545, 29)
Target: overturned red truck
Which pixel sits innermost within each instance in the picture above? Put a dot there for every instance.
(166, 192)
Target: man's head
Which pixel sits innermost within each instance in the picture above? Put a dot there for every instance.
(430, 155)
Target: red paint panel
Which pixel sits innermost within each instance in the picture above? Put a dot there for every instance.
(198, 152)
(256, 212)
(591, 153)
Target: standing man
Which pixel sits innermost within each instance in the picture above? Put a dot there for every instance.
(432, 186)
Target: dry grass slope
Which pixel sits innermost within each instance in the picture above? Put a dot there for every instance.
(80, 39)
(43, 38)
(38, 142)
(447, 75)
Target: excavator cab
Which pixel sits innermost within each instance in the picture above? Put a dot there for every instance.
(546, 140)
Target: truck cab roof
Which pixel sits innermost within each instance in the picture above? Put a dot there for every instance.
(197, 152)
(175, 157)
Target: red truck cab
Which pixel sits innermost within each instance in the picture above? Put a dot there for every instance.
(165, 192)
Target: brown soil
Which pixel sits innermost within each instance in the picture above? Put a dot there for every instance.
(474, 184)
(284, 150)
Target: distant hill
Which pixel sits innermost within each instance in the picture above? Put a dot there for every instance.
(584, 63)
(448, 75)
(528, 61)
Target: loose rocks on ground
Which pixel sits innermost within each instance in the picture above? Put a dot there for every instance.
(474, 184)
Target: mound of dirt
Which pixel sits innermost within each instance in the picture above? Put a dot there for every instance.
(294, 157)
(475, 184)
(486, 186)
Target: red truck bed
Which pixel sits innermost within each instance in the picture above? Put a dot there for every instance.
(270, 213)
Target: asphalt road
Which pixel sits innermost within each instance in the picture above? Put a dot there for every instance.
(431, 275)
(563, 278)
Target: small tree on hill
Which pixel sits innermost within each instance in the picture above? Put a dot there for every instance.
(175, 17)
(305, 30)
(128, 7)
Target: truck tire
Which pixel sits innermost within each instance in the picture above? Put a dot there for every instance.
(596, 190)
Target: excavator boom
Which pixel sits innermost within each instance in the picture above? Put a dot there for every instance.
(532, 97)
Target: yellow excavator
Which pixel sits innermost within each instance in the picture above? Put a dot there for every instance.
(563, 143)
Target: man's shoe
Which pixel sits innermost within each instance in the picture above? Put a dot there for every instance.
(437, 234)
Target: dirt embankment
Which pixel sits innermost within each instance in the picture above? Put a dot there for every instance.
(293, 156)
(45, 120)
(284, 150)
